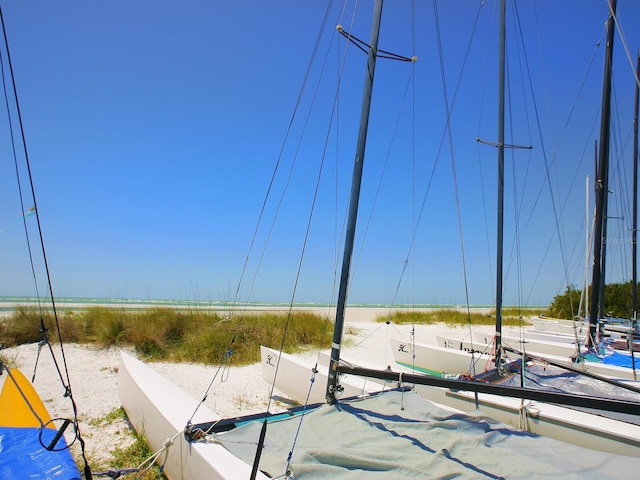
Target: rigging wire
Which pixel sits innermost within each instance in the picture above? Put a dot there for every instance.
(335, 104)
(574, 177)
(417, 221)
(518, 202)
(221, 367)
(447, 131)
(556, 211)
(623, 38)
(310, 217)
(482, 96)
(621, 214)
(306, 237)
(421, 211)
(587, 146)
(547, 180)
(278, 161)
(365, 47)
(314, 371)
(64, 379)
(453, 170)
(413, 176)
(18, 179)
(409, 85)
(566, 126)
(410, 81)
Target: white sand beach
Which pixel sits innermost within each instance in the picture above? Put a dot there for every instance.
(235, 391)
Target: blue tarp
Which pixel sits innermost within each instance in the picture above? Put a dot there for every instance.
(614, 358)
(22, 457)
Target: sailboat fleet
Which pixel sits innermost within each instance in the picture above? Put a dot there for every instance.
(384, 422)
(423, 416)
(557, 352)
(553, 353)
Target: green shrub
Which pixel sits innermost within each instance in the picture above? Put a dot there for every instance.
(173, 334)
(453, 317)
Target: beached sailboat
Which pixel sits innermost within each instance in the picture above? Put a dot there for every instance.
(595, 431)
(160, 409)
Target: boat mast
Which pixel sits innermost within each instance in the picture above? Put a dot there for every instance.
(500, 234)
(588, 231)
(332, 382)
(602, 183)
(634, 244)
(587, 245)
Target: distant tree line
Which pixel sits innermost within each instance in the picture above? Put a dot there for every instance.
(618, 301)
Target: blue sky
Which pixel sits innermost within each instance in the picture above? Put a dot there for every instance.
(153, 129)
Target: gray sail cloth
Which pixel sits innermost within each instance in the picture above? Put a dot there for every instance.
(400, 435)
(554, 379)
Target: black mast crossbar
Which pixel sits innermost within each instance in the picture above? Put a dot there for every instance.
(365, 47)
(506, 145)
(607, 404)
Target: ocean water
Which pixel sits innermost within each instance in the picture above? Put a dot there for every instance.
(9, 303)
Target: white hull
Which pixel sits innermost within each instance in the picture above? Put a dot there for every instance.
(543, 347)
(294, 378)
(567, 327)
(450, 362)
(439, 360)
(160, 410)
(553, 337)
(566, 424)
(294, 373)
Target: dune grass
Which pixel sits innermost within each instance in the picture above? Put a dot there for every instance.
(135, 453)
(130, 453)
(173, 335)
(453, 318)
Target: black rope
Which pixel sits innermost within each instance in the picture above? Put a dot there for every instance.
(87, 470)
(276, 168)
(117, 473)
(454, 175)
(577, 170)
(224, 359)
(365, 47)
(17, 170)
(557, 210)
